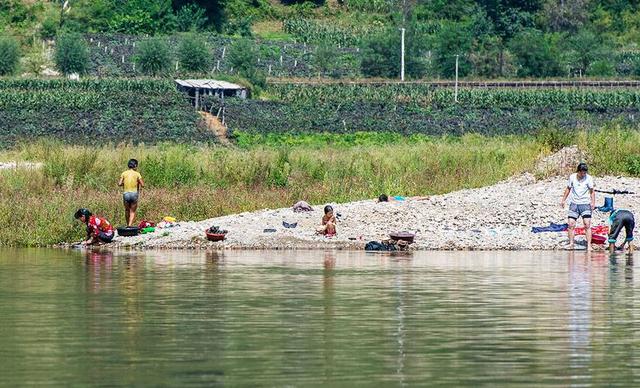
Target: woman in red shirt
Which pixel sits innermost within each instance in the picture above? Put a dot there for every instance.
(99, 230)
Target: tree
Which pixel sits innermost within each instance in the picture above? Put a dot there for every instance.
(566, 15)
(153, 56)
(536, 54)
(585, 48)
(194, 55)
(488, 59)
(143, 16)
(191, 17)
(454, 38)
(454, 10)
(381, 57)
(9, 55)
(381, 53)
(71, 55)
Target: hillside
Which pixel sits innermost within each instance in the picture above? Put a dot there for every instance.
(492, 38)
(97, 112)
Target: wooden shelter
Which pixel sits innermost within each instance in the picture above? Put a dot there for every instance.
(198, 88)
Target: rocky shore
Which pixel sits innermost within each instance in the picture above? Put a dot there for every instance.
(497, 217)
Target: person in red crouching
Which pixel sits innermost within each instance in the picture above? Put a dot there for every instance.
(99, 230)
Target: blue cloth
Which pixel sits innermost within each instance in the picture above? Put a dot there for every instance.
(551, 228)
(399, 198)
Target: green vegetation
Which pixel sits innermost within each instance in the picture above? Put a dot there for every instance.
(327, 32)
(114, 56)
(243, 58)
(194, 54)
(96, 111)
(153, 56)
(417, 108)
(198, 182)
(201, 182)
(420, 95)
(9, 55)
(71, 54)
(497, 38)
(152, 111)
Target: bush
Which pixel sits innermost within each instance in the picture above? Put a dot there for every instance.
(194, 55)
(453, 39)
(243, 57)
(72, 55)
(323, 59)
(9, 55)
(153, 56)
(601, 68)
(554, 138)
(49, 28)
(240, 26)
(191, 17)
(633, 165)
(536, 54)
(381, 57)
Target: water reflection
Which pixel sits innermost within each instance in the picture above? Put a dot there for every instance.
(307, 318)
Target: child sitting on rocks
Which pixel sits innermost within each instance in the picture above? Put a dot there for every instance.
(328, 228)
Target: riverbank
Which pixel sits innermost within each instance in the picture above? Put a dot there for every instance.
(203, 183)
(497, 217)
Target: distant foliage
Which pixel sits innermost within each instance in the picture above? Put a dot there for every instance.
(324, 59)
(49, 28)
(72, 54)
(191, 17)
(323, 32)
(536, 54)
(194, 55)
(453, 39)
(381, 55)
(153, 56)
(9, 55)
(243, 57)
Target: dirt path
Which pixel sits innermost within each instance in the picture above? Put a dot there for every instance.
(213, 124)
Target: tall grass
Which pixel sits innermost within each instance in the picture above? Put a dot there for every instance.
(193, 183)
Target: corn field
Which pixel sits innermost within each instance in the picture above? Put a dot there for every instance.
(428, 96)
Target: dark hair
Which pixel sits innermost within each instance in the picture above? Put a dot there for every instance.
(383, 198)
(132, 163)
(82, 212)
(582, 167)
(328, 209)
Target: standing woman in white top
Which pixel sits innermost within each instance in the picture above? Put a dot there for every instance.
(581, 202)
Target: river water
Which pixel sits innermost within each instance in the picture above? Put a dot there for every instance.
(261, 318)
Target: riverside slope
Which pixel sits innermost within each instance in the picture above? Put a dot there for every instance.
(497, 217)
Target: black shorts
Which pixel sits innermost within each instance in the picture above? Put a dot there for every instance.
(623, 219)
(106, 237)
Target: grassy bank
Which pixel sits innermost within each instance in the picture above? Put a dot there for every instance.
(193, 183)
